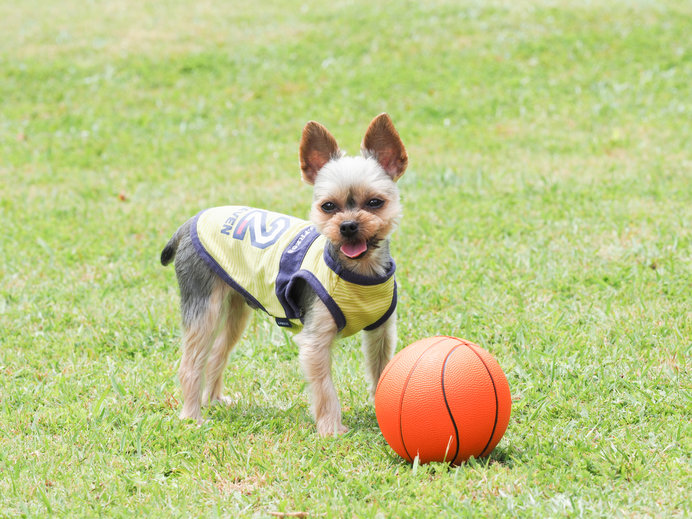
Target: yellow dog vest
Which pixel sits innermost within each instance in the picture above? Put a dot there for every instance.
(263, 256)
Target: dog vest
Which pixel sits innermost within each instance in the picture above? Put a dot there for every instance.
(265, 256)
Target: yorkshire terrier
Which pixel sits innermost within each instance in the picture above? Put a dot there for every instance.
(330, 277)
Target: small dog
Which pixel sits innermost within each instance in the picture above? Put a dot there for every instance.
(327, 278)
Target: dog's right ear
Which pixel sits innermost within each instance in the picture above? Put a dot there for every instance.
(317, 147)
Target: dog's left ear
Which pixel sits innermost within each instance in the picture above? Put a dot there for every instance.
(382, 142)
(317, 147)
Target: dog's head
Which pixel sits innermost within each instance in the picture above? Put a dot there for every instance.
(355, 200)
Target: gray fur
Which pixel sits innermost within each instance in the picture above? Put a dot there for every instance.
(195, 278)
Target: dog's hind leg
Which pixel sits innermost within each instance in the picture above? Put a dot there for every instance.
(201, 320)
(237, 315)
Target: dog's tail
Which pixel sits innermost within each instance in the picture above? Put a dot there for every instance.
(168, 252)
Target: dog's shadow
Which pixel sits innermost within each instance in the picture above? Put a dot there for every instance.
(248, 418)
(244, 419)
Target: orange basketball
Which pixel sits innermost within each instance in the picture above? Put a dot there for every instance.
(443, 399)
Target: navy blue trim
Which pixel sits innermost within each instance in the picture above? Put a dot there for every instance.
(310, 279)
(290, 262)
(283, 322)
(386, 315)
(218, 269)
(354, 277)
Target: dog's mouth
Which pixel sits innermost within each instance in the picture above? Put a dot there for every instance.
(359, 248)
(354, 250)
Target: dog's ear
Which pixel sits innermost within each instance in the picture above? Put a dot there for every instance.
(382, 142)
(317, 147)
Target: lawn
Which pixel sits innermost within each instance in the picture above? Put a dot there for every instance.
(548, 218)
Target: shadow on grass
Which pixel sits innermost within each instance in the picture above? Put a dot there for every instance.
(245, 418)
(363, 419)
(250, 417)
(506, 456)
(242, 417)
(499, 456)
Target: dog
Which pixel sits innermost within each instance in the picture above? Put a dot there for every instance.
(326, 278)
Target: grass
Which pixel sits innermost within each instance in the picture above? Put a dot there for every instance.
(548, 218)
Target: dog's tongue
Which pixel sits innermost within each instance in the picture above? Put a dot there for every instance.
(353, 250)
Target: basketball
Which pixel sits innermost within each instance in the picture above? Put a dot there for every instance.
(442, 399)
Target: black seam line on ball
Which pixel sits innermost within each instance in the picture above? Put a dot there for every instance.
(403, 393)
(451, 417)
(496, 401)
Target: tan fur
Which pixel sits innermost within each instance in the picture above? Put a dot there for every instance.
(317, 147)
(236, 320)
(197, 342)
(383, 141)
(315, 342)
(378, 348)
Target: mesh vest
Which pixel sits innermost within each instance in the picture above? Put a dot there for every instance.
(265, 255)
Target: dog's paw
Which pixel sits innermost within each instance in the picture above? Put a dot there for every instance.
(331, 429)
(222, 400)
(187, 415)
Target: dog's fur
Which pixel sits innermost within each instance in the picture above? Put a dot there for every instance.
(355, 206)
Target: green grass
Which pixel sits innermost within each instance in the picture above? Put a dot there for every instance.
(548, 218)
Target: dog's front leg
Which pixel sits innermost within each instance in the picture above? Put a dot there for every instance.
(378, 347)
(315, 342)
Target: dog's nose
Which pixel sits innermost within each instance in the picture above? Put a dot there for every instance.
(348, 228)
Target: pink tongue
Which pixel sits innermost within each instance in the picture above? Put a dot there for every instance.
(353, 250)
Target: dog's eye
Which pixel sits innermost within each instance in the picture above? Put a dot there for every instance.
(329, 207)
(375, 203)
